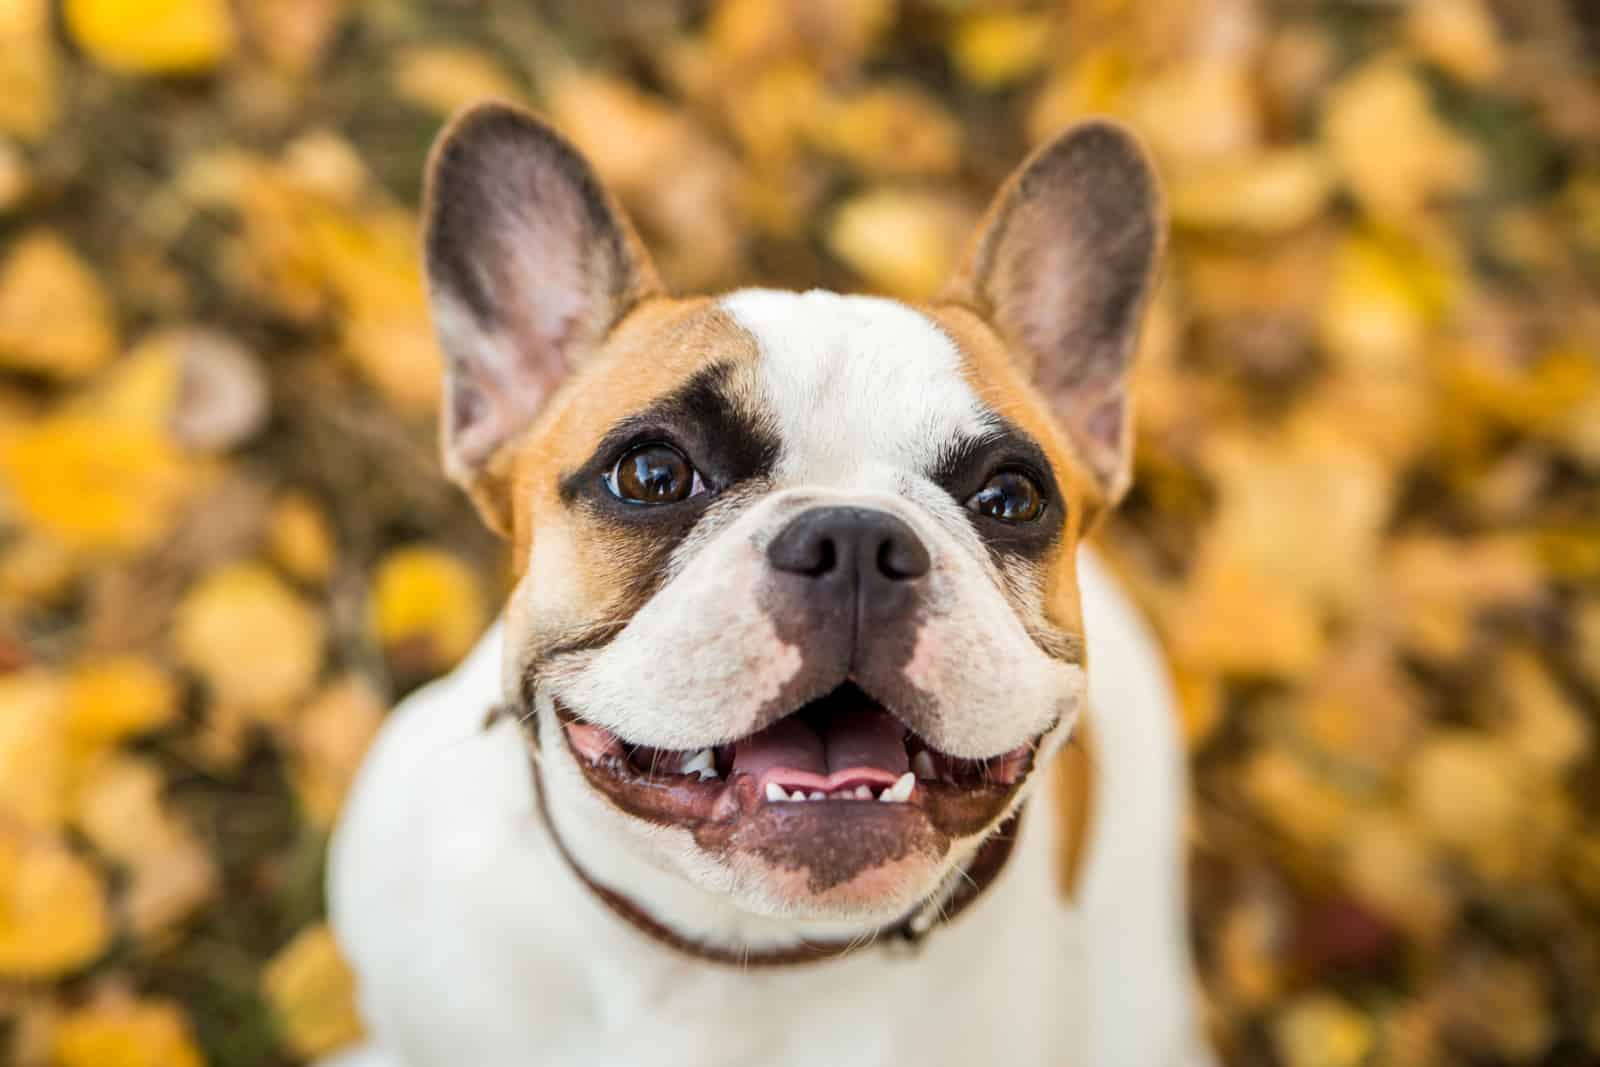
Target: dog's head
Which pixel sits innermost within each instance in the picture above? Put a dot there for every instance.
(797, 616)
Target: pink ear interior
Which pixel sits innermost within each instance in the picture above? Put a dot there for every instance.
(1064, 272)
(529, 264)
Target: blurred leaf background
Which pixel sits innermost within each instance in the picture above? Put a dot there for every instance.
(1367, 518)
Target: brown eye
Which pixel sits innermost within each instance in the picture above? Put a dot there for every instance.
(1009, 496)
(654, 474)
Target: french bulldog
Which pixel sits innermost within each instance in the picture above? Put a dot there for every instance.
(787, 747)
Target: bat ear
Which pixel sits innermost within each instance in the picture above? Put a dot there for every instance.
(530, 262)
(1062, 267)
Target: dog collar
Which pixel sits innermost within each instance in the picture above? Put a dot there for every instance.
(964, 887)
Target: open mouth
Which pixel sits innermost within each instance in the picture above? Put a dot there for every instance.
(842, 752)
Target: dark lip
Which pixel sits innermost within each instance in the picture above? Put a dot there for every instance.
(714, 810)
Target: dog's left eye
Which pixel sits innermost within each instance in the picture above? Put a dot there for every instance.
(654, 474)
(1009, 496)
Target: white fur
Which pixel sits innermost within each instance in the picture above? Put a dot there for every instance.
(859, 385)
(476, 945)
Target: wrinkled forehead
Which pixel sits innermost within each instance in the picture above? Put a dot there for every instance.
(854, 388)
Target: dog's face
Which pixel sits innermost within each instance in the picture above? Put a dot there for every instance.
(797, 616)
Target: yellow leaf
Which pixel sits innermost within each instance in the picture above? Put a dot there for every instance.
(116, 697)
(996, 48)
(97, 485)
(29, 94)
(1466, 791)
(1094, 84)
(1543, 728)
(902, 241)
(1436, 590)
(1383, 299)
(1277, 190)
(153, 36)
(257, 645)
(171, 874)
(15, 179)
(53, 916)
(299, 540)
(293, 34)
(116, 1033)
(36, 570)
(54, 317)
(1198, 113)
(327, 740)
(890, 131)
(34, 769)
(1391, 869)
(312, 993)
(427, 609)
(1302, 805)
(1321, 1030)
(1395, 154)
(1460, 36)
(445, 78)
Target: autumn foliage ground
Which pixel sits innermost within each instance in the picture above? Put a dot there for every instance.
(1367, 519)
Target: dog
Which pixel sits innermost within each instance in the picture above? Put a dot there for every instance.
(786, 748)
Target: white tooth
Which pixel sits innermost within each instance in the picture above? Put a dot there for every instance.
(775, 792)
(702, 763)
(900, 792)
(817, 794)
(922, 764)
(863, 792)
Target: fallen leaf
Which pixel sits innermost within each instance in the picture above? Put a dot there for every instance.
(900, 240)
(427, 609)
(53, 915)
(1396, 156)
(30, 100)
(153, 36)
(1275, 191)
(326, 743)
(1323, 1030)
(312, 994)
(255, 643)
(1460, 36)
(97, 485)
(112, 698)
(126, 1033)
(446, 78)
(35, 784)
(299, 540)
(55, 318)
(996, 48)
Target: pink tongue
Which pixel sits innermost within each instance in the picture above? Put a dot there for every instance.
(787, 743)
(865, 737)
(850, 738)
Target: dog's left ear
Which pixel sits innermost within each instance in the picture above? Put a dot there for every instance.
(1062, 267)
(530, 263)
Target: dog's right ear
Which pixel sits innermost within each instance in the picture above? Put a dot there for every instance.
(529, 264)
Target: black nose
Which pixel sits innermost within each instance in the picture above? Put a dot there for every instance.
(862, 543)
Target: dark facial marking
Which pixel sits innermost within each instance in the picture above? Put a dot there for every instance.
(704, 422)
(964, 467)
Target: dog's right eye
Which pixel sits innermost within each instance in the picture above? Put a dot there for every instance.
(654, 474)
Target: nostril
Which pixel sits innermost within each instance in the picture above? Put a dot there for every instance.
(901, 560)
(825, 560)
